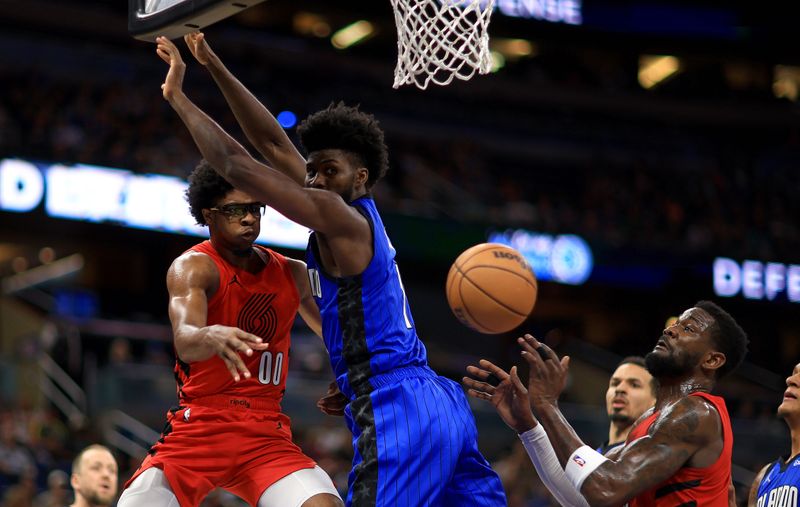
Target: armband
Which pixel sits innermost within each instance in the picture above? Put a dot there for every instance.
(581, 464)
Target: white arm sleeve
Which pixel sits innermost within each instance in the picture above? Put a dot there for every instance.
(544, 459)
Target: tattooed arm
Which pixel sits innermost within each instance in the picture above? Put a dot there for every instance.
(687, 432)
(752, 499)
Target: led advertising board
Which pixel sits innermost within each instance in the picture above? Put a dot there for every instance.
(117, 196)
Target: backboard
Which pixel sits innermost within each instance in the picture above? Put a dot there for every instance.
(147, 19)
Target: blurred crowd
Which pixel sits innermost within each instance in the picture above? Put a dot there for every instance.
(505, 160)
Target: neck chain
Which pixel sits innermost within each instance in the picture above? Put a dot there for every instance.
(688, 389)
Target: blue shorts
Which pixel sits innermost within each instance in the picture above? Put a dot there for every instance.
(415, 445)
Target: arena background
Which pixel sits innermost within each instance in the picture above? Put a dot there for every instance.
(661, 180)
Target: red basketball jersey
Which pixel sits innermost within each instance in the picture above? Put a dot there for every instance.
(692, 486)
(264, 304)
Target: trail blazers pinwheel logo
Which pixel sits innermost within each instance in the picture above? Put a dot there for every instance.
(259, 317)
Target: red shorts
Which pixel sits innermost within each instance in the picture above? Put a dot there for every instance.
(238, 444)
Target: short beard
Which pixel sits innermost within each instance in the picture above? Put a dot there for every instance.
(665, 366)
(348, 196)
(94, 499)
(620, 418)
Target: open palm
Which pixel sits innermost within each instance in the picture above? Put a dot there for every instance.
(196, 42)
(173, 83)
(509, 397)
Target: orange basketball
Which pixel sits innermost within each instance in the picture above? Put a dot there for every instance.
(491, 288)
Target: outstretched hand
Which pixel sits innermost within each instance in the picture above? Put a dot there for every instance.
(173, 84)
(548, 374)
(334, 402)
(229, 343)
(509, 397)
(196, 41)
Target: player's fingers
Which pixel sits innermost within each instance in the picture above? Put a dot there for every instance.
(546, 352)
(254, 342)
(565, 362)
(527, 343)
(237, 345)
(477, 372)
(494, 369)
(479, 394)
(532, 350)
(165, 41)
(478, 385)
(248, 337)
(530, 355)
(234, 357)
(231, 368)
(190, 42)
(515, 380)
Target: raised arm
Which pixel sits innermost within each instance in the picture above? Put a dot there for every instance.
(682, 429)
(320, 210)
(510, 400)
(258, 123)
(191, 280)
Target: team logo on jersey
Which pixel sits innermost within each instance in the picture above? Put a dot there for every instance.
(258, 317)
(186, 414)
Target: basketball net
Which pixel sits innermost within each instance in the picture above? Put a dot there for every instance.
(441, 40)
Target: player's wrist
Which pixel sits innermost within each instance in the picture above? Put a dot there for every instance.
(525, 427)
(213, 63)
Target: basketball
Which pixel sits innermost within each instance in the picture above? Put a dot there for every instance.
(491, 288)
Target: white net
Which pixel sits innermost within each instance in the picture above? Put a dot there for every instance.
(441, 40)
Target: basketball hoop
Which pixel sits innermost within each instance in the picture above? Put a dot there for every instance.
(441, 40)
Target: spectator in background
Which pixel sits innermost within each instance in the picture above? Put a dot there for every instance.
(16, 460)
(57, 493)
(94, 477)
(22, 493)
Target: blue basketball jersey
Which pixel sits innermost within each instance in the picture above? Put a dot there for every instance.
(414, 436)
(778, 487)
(366, 320)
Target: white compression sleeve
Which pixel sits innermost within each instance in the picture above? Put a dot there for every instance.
(544, 459)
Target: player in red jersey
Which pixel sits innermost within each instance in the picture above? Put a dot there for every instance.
(232, 305)
(679, 453)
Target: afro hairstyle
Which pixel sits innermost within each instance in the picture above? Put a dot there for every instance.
(351, 130)
(206, 188)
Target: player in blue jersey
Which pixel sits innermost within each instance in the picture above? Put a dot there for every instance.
(414, 436)
(778, 483)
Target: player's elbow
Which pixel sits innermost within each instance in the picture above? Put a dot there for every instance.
(187, 349)
(182, 350)
(234, 167)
